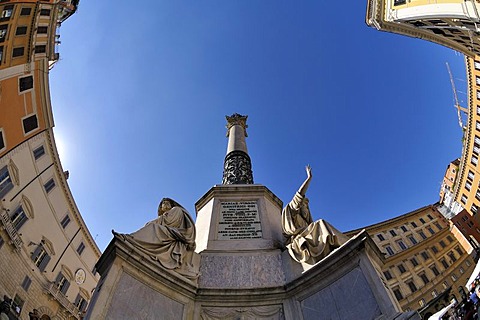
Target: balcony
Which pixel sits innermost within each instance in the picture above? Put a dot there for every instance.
(10, 229)
(60, 297)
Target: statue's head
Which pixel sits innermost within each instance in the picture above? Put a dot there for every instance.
(165, 205)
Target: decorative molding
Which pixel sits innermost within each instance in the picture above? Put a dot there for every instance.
(273, 312)
(237, 168)
(237, 120)
(27, 207)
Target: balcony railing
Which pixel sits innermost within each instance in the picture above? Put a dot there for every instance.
(60, 297)
(10, 229)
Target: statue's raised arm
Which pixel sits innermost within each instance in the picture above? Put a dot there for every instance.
(308, 241)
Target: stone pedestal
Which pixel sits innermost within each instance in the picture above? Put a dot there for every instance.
(345, 285)
(244, 272)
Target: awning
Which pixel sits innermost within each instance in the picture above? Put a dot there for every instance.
(475, 273)
(441, 313)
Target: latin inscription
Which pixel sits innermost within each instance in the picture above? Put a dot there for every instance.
(239, 220)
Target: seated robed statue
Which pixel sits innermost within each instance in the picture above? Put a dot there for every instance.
(169, 239)
(308, 241)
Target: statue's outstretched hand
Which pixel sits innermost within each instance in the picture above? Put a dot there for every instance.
(309, 171)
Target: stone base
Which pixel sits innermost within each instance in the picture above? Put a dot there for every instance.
(345, 286)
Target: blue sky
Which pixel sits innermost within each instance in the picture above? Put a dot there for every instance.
(141, 93)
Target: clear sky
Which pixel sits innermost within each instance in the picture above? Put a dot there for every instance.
(142, 89)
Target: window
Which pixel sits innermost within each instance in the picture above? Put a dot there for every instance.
(412, 286)
(434, 270)
(412, 239)
(459, 251)
(468, 185)
(65, 221)
(451, 255)
(414, 261)
(421, 220)
(476, 149)
(42, 29)
(1, 54)
(425, 255)
(477, 79)
(398, 294)
(393, 233)
(404, 229)
(62, 283)
(471, 175)
(380, 237)
(80, 248)
(387, 275)
(25, 83)
(413, 224)
(30, 123)
(434, 293)
(1, 241)
(430, 217)
(444, 263)
(399, 2)
(6, 183)
(2, 142)
(401, 245)
(21, 30)
(462, 271)
(424, 278)
(45, 12)
(17, 304)
(401, 268)
(25, 11)
(40, 257)
(49, 185)
(40, 49)
(38, 152)
(26, 283)
(3, 32)
(477, 65)
(450, 239)
(474, 160)
(422, 234)
(389, 250)
(6, 13)
(18, 218)
(431, 230)
(439, 227)
(421, 302)
(468, 263)
(442, 244)
(435, 249)
(474, 209)
(454, 277)
(445, 284)
(18, 52)
(80, 303)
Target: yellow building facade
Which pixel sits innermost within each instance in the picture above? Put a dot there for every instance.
(425, 264)
(47, 254)
(452, 23)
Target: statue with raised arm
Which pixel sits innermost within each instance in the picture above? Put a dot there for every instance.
(308, 241)
(168, 239)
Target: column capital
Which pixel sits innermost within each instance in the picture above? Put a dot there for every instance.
(237, 119)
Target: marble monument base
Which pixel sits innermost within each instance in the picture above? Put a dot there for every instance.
(345, 286)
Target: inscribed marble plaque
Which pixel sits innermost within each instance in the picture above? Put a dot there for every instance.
(239, 220)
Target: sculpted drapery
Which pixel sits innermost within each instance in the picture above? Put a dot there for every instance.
(308, 241)
(169, 239)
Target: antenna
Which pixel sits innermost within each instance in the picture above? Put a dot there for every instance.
(457, 104)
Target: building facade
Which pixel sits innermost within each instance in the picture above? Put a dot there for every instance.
(47, 253)
(425, 263)
(452, 23)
